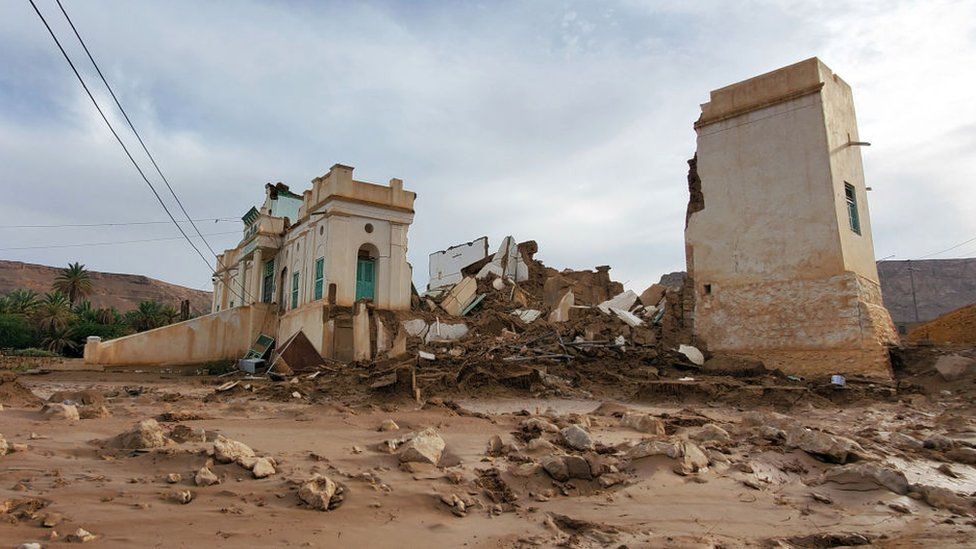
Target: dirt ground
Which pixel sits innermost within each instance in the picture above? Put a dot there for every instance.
(742, 476)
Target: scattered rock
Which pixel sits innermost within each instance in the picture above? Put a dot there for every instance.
(320, 493)
(644, 423)
(691, 459)
(81, 536)
(649, 448)
(97, 411)
(185, 433)
(540, 445)
(821, 498)
(565, 467)
(711, 433)
(954, 367)
(425, 447)
(263, 468)
(867, 476)
(943, 498)
(173, 478)
(825, 447)
(180, 496)
(962, 455)
(205, 477)
(538, 425)
(52, 519)
(228, 451)
(577, 438)
(145, 434)
(389, 425)
(55, 411)
(4, 447)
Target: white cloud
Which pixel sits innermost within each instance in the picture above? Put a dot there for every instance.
(565, 122)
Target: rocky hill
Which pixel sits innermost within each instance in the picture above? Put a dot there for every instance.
(122, 291)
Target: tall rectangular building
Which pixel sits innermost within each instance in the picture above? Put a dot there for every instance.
(778, 236)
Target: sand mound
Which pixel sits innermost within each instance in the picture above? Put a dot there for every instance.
(12, 393)
(955, 327)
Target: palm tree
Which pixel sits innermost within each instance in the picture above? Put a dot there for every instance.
(21, 302)
(148, 315)
(59, 341)
(169, 314)
(53, 314)
(74, 281)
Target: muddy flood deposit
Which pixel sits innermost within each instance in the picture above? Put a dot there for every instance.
(675, 459)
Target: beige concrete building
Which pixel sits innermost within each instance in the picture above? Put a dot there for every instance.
(325, 262)
(778, 236)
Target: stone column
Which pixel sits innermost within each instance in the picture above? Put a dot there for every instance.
(257, 277)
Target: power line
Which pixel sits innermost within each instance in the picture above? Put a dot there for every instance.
(973, 239)
(133, 128)
(111, 243)
(116, 135)
(117, 224)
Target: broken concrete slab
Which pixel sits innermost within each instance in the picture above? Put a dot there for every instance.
(442, 331)
(560, 312)
(624, 302)
(527, 316)
(629, 318)
(653, 295)
(460, 296)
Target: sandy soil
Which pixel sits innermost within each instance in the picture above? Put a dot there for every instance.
(754, 492)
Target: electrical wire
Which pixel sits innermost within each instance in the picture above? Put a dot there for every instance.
(111, 243)
(116, 135)
(133, 128)
(118, 224)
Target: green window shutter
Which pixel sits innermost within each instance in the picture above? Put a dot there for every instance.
(852, 213)
(294, 290)
(319, 276)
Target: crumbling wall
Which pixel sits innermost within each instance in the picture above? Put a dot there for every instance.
(696, 198)
(804, 327)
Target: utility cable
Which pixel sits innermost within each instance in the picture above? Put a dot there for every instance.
(116, 135)
(133, 128)
(111, 243)
(117, 224)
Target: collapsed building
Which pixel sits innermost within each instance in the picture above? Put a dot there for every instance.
(780, 268)
(778, 238)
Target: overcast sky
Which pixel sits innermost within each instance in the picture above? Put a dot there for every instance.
(569, 123)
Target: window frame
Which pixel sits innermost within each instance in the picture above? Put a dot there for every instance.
(853, 212)
(295, 278)
(319, 280)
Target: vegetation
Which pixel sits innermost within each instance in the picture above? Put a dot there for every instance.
(59, 322)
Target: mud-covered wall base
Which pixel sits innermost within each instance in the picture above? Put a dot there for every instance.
(803, 327)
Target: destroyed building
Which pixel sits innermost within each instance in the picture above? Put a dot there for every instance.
(324, 262)
(778, 236)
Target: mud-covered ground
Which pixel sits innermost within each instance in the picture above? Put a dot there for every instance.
(892, 468)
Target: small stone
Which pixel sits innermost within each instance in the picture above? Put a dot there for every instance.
(711, 433)
(262, 468)
(538, 425)
(389, 425)
(56, 411)
(644, 423)
(145, 434)
(228, 451)
(577, 438)
(19, 447)
(900, 508)
(185, 433)
(821, 498)
(205, 477)
(318, 492)
(173, 478)
(97, 411)
(81, 536)
(867, 476)
(29, 545)
(4, 447)
(52, 519)
(180, 496)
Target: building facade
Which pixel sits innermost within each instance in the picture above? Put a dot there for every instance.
(778, 236)
(325, 262)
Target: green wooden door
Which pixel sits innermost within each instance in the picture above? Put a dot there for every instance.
(365, 279)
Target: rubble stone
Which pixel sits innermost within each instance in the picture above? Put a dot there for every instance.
(61, 412)
(180, 496)
(389, 425)
(97, 411)
(173, 478)
(81, 536)
(649, 448)
(691, 459)
(205, 477)
(943, 498)
(830, 448)
(867, 476)
(4, 447)
(227, 450)
(954, 367)
(318, 492)
(565, 467)
(711, 433)
(577, 438)
(538, 425)
(644, 423)
(145, 434)
(185, 433)
(425, 447)
(262, 468)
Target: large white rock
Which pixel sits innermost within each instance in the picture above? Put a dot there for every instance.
(624, 301)
(424, 447)
(228, 451)
(577, 438)
(693, 354)
(318, 492)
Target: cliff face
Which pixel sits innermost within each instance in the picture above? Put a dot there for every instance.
(122, 291)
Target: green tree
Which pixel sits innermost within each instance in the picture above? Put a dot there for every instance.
(59, 341)
(15, 331)
(73, 281)
(20, 301)
(53, 314)
(148, 315)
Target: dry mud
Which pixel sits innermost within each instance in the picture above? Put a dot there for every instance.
(754, 488)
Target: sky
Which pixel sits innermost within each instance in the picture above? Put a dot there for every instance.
(564, 122)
